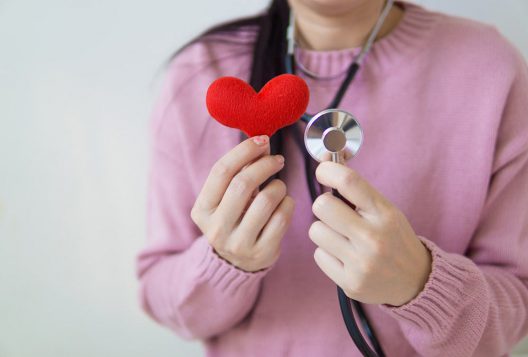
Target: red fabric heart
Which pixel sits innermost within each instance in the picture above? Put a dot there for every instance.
(235, 104)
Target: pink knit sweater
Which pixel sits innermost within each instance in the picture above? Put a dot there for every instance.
(443, 102)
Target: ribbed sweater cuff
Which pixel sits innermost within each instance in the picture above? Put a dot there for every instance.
(221, 274)
(444, 292)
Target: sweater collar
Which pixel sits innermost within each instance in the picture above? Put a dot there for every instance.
(400, 44)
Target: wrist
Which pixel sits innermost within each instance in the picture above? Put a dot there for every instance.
(423, 272)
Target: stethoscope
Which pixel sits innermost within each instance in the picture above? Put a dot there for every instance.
(330, 134)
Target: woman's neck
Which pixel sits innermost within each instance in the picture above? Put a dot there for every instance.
(323, 30)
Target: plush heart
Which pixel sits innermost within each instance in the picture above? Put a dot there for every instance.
(235, 104)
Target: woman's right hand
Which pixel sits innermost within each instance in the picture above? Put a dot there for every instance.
(245, 226)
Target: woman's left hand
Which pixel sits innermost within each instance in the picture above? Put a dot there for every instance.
(372, 252)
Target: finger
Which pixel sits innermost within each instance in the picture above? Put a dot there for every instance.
(226, 168)
(331, 241)
(338, 215)
(352, 186)
(261, 210)
(250, 201)
(327, 156)
(348, 154)
(330, 265)
(240, 188)
(276, 227)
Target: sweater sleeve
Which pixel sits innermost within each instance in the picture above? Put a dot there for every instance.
(477, 304)
(184, 284)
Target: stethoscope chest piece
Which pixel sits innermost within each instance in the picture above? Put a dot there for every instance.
(333, 132)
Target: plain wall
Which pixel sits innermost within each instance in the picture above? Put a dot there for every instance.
(77, 82)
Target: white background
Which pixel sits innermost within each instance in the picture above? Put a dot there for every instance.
(77, 81)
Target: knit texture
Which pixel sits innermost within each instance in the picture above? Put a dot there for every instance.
(280, 103)
(443, 103)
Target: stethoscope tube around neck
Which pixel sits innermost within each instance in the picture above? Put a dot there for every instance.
(344, 301)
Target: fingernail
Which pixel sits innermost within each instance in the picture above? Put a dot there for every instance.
(279, 158)
(261, 139)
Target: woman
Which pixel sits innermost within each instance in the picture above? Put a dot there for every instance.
(437, 251)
